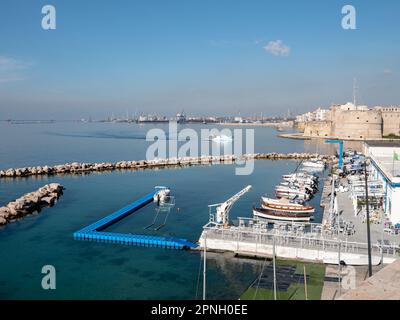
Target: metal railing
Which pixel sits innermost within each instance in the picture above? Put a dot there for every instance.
(315, 238)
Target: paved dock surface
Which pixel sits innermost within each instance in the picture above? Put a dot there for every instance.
(331, 289)
(346, 211)
(383, 285)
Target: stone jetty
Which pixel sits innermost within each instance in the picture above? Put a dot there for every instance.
(75, 167)
(30, 203)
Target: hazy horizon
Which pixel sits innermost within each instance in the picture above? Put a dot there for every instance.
(203, 57)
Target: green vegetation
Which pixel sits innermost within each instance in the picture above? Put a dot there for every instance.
(392, 136)
(316, 273)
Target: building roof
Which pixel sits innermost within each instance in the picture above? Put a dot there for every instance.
(382, 156)
(388, 144)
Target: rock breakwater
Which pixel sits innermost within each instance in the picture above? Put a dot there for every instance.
(30, 203)
(75, 167)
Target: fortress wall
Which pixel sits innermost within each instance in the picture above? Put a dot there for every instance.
(357, 124)
(318, 129)
(391, 121)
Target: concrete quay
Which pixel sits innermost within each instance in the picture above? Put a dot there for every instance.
(346, 212)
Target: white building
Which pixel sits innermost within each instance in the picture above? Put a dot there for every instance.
(386, 169)
(321, 114)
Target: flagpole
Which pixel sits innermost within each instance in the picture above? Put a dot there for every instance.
(394, 156)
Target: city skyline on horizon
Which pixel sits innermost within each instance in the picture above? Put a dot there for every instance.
(207, 58)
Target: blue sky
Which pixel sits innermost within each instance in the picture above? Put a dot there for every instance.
(206, 57)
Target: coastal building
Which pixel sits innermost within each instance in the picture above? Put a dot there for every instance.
(386, 168)
(322, 114)
(351, 122)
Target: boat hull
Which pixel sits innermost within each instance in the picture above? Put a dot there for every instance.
(281, 216)
(288, 208)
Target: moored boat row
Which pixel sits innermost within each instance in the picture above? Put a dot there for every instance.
(291, 195)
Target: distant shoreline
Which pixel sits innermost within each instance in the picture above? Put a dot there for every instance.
(300, 136)
(266, 124)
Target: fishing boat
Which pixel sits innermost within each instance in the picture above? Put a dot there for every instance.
(286, 206)
(281, 216)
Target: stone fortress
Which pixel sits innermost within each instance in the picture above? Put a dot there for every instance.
(351, 122)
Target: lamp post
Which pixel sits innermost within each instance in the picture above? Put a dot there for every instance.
(368, 226)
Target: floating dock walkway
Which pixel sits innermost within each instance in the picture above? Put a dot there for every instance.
(94, 231)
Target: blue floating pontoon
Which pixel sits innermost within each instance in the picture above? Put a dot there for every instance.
(94, 231)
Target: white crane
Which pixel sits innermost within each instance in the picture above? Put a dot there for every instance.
(221, 214)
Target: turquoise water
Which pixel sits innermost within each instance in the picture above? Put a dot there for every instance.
(90, 270)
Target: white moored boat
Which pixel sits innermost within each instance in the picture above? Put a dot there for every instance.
(162, 195)
(220, 138)
(284, 191)
(280, 201)
(300, 175)
(314, 164)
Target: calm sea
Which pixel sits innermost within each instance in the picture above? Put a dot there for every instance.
(89, 270)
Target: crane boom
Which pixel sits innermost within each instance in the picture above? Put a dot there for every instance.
(223, 209)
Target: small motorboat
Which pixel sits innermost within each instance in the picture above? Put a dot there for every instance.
(285, 190)
(300, 175)
(220, 138)
(314, 164)
(163, 195)
(295, 202)
(281, 216)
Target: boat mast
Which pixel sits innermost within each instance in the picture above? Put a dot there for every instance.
(274, 266)
(368, 220)
(305, 282)
(205, 265)
(332, 204)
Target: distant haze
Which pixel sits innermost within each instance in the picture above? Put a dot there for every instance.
(204, 57)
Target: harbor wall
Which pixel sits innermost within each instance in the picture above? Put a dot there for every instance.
(288, 252)
(318, 129)
(76, 168)
(391, 121)
(348, 122)
(359, 124)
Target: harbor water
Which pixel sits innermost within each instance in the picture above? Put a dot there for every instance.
(91, 270)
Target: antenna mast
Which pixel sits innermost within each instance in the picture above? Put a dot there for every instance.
(355, 92)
